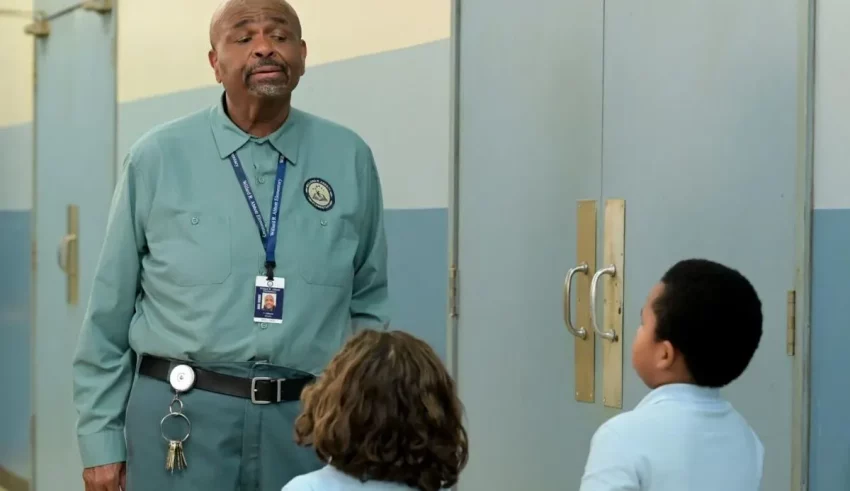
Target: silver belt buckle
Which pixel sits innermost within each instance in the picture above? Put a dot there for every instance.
(254, 381)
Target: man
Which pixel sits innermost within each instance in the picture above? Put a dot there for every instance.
(269, 303)
(213, 211)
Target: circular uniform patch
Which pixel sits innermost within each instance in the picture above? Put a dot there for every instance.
(319, 193)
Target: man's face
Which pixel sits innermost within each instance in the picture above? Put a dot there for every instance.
(269, 302)
(257, 48)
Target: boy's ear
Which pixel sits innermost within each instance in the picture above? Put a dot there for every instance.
(666, 355)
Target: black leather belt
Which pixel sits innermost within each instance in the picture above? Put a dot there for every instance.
(260, 390)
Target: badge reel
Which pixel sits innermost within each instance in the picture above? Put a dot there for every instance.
(182, 379)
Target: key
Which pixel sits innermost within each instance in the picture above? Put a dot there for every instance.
(181, 378)
(175, 460)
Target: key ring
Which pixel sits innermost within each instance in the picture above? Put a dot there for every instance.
(171, 406)
(175, 415)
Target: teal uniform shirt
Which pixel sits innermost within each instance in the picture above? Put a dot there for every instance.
(182, 252)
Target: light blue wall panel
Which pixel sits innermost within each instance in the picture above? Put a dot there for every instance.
(15, 204)
(15, 342)
(829, 457)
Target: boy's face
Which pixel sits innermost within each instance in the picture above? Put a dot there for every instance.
(653, 360)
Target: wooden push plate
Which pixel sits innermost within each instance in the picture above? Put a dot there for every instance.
(585, 349)
(612, 350)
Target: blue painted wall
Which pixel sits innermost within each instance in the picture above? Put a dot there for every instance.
(829, 466)
(15, 184)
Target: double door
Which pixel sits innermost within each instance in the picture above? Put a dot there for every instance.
(608, 140)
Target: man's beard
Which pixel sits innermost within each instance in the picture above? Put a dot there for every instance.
(269, 88)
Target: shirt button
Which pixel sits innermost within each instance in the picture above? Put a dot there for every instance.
(261, 179)
(263, 325)
(195, 220)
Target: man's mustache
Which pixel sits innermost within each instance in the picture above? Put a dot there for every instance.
(284, 68)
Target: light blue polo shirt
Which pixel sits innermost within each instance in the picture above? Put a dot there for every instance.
(329, 478)
(680, 437)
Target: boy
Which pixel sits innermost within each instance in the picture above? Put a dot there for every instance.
(385, 417)
(700, 327)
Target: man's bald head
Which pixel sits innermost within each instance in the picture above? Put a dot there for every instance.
(231, 12)
(257, 50)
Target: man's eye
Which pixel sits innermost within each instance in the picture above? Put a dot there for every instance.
(279, 38)
(243, 40)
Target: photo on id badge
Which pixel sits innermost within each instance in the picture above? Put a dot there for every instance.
(268, 303)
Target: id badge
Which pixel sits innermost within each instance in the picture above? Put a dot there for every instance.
(268, 301)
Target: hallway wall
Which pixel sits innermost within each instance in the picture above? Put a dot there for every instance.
(16, 82)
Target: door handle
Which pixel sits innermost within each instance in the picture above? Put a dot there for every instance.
(67, 254)
(594, 283)
(63, 251)
(568, 281)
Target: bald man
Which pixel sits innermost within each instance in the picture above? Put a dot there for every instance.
(184, 378)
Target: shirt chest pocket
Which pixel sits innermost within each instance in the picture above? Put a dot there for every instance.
(326, 249)
(195, 249)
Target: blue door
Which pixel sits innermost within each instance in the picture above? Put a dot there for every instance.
(530, 97)
(74, 175)
(700, 140)
(686, 112)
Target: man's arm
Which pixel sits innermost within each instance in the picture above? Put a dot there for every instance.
(610, 465)
(103, 363)
(369, 301)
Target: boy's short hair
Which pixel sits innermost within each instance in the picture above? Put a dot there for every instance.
(712, 315)
(386, 409)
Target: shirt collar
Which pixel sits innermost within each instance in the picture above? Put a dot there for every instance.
(230, 138)
(681, 392)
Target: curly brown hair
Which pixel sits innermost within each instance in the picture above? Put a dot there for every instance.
(386, 409)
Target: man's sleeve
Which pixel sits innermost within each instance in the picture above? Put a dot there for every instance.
(103, 363)
(610, 465)
(369, 301)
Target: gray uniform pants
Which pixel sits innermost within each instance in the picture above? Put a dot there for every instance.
(234, 445)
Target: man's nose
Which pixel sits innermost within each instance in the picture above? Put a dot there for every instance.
(262, 47)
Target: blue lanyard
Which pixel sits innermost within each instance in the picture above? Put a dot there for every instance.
(268, 236)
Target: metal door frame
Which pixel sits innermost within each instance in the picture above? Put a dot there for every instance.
(806, 10)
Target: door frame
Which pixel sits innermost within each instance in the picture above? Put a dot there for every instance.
(800, 414)
(806, 10)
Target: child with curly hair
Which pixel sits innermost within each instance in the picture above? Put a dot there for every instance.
(384, 416)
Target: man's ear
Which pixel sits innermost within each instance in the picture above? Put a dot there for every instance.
(213, 57)
(303, 57)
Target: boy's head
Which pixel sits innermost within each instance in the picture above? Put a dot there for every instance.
(386, 409)
(701, 324)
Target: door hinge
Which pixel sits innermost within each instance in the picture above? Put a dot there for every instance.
(453, 291)
(791, 323)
